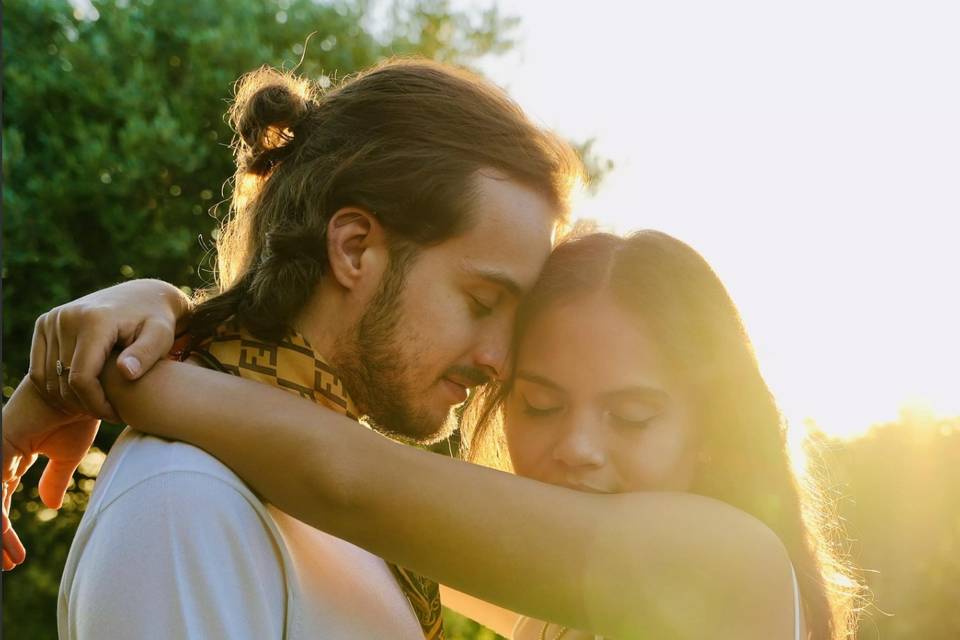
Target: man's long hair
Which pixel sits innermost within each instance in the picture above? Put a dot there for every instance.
(403, 141)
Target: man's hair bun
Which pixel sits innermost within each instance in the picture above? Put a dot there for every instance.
(267, 107)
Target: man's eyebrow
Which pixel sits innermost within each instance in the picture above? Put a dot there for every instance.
(496, 277)
(542, 381)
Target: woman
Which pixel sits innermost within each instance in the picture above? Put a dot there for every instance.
(633, 379)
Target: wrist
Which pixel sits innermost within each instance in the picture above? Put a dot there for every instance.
(28, 415)
(179, 303)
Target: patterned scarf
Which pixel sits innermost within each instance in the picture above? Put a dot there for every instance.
(292, 364)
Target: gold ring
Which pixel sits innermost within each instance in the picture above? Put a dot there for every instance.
(62, 370)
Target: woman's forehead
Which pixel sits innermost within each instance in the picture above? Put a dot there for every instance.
(590, 343)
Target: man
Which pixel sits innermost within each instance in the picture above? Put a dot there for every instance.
(382, 235)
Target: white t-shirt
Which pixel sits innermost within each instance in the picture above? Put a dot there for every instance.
(174, 545)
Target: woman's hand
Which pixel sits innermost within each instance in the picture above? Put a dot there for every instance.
(32, 427)
(141, 316)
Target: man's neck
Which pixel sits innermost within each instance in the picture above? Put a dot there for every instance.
(325, 321)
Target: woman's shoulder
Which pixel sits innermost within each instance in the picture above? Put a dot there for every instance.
(703, 550)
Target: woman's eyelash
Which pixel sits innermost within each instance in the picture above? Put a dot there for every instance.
(631, 423)
(531, 410)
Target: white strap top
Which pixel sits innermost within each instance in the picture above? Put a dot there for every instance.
(796, 604)
(529, 628)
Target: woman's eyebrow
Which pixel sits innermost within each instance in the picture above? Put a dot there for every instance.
(638, 392)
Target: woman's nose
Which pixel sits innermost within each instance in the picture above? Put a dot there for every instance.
(581, 444)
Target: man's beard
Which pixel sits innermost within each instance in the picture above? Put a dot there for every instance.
(374, 368)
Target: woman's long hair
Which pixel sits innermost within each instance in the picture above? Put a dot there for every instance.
(745, 461)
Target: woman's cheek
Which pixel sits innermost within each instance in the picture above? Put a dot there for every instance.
(524, 446)
(655, 460)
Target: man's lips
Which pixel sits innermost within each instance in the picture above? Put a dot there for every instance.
(468, 377)
(457, 391)
(459, 380)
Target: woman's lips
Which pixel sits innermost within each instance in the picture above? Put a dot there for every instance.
(581, 486)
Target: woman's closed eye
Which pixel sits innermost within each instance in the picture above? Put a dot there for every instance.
(539, 408)
(636, 422)
(632, 413)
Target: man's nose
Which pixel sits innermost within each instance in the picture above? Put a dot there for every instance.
(493, 354)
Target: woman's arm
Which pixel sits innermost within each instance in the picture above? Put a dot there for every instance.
(621, 565)
(140, 316)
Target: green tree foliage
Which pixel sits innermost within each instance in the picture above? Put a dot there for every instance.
(114, 159)
(898, 492)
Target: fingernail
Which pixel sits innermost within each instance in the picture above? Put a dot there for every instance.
(132, 365)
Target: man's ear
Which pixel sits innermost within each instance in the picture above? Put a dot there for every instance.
(356, 248)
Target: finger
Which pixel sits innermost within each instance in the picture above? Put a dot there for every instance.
(8, 489)
(7, 562)
(12, 458)
(26, 461)
(66, 346)
(12, 546)
(55, 480)
(38, 355)
(89, 355)
(153, 342)
(15, 463)
(52, 386)
(7, 492)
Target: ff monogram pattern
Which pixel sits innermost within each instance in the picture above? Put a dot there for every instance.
(292, 364)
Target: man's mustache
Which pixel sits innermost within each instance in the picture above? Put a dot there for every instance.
(471, 375)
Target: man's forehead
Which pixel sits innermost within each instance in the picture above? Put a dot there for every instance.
(509, 238)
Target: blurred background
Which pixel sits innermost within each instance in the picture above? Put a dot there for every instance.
(811, 152)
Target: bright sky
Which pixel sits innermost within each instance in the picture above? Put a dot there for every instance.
(810, 151)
